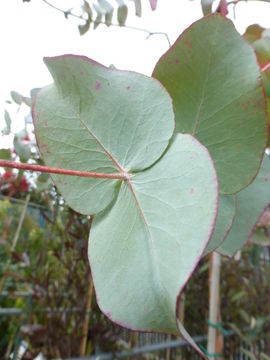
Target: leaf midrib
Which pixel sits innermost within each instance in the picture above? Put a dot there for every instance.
(195, 128)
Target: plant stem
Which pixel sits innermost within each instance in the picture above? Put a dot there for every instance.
(51, 170)
(214, 284)
(237, 1)
(70, 13)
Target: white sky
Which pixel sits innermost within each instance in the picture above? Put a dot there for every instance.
(30, 31)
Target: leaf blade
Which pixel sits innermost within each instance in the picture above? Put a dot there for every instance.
(222, 105)
(251, 203)
(113, 135)
(152, 258)
(226, 215)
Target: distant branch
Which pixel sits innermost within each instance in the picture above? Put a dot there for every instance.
(237, 1)
(70, 13)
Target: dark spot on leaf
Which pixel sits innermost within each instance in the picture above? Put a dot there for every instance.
(98, 85)
(45, 148)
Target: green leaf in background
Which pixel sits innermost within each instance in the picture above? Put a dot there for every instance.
(264, 356)
(108, 11)
(214, 79)
(6, 130)
(100, 12)
(248, 353)
(85, 27)
(5, 154)
(251, 203)
(149, 231)
(16, 97)
(253, 33)
(22, 150)
(226, 215)
(144, 248)
(138, 7)
(19, 99)
(130, 109)
(87, 9)
(122, 13)
(259, 238)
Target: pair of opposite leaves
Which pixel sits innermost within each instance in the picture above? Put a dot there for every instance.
(150, 230)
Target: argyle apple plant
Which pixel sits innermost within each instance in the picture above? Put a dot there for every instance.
(159, 163)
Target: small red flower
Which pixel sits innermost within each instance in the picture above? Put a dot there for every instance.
(23, 185)
(26, 138)
(7, 175)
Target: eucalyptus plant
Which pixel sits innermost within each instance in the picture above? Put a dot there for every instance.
(165, 165)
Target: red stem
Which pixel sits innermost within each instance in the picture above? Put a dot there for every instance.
(51, 170)
(265, 67)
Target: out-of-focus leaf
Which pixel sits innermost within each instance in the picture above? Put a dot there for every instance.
(250, 355)
(85, 27)
(138, 7)
(251, 203)
(87, 8)
(106, 6)
(16, 97)
(19, 99)
(262, 48)
(43, 182)
(108, 18)
(28, 119)
(97, 21)
(100, 13)
(245, 316)
(264, 356)
(238, 332)
(5, 154)
(22, 150)
(21, 134)
(259, 238)
(122, 13)
(153, 4)
(238, 295)
(207, 6)
(6, 130)
(253, 33)
(108, 11)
